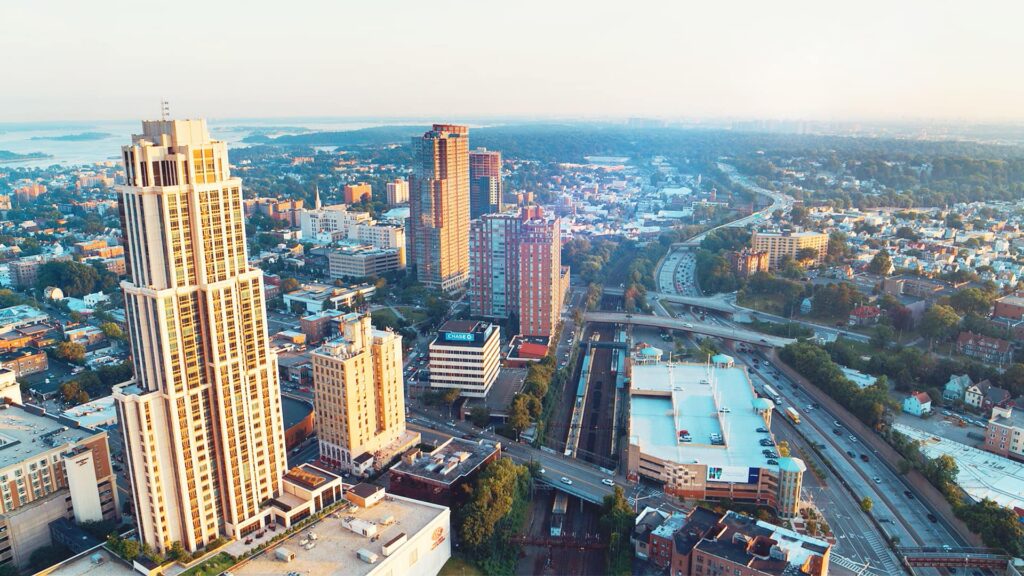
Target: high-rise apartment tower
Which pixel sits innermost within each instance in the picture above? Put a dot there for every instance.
(438, 227)
(204, 441)
(484, 182)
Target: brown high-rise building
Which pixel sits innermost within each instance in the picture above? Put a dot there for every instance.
(484, 182)
(438, 235)
(355, 193)
(516, 260)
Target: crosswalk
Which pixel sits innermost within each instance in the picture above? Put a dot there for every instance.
(870, 538)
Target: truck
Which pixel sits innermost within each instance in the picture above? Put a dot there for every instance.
(772, 394)
(793, 415)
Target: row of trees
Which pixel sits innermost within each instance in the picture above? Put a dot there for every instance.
(815, 364)
(998, 526)
(493, 516)
(528, 406)
(76, 278)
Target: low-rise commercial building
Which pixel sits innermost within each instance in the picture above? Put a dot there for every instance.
(379, 535)
(707, 543)
(25, 361)
(49, 470)
(356, 260)
(440, 476)
(313, 298)
(699, 429)
(465, 355)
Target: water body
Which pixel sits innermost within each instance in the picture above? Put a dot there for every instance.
(26, 138)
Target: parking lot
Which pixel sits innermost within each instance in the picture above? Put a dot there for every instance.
(947, 427)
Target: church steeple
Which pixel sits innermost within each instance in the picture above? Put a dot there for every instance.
(316, 197)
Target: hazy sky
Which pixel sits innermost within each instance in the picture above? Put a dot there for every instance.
(821, 59)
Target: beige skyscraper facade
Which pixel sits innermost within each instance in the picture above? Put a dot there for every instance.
(359, 399)
(439, 205)
(204, 439)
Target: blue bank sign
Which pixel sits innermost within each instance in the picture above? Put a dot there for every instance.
(458, 336)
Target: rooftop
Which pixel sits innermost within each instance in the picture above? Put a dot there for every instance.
(449, 461)
(336, 545)
(667, 399)
(28, 432)
(98, 562)
(981, 474)
(93, 414)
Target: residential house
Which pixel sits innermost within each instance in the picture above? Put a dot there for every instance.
(985, 348)
(956, 388)
(984, 395)
(865, 315)
(918, 403)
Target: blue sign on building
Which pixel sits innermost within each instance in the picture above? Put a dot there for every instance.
(458, 336)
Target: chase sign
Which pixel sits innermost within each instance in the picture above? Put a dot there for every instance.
(459, 336)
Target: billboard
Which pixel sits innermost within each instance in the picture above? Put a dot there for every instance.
(733, 474)
(458, 336)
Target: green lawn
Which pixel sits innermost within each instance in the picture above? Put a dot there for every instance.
(411, 314)
(456, 566)
(384, 317)
(211, 567)
(770, 304)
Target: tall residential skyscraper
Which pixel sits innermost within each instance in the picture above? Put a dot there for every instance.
(439, 207)
(204, 440)
(358, 396)
(516, 265)
(484, 182)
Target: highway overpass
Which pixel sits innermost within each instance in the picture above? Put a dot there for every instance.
(719, 303)
(724, 332)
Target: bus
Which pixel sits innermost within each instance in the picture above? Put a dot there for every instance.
(793, 415)
(771, 393)
(558, 513)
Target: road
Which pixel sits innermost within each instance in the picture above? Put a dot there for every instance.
(899, 513)
(780, 201)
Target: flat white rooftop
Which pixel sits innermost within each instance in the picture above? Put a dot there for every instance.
(666, 399)
(336, 546)
(981, 474)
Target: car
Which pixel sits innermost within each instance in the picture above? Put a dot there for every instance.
(853, 438)
(762, 430)
(607, 482)
(932, 518)
(908, 494)
(837, 431)
(877, 480)
(836, 424)
(851, 454)
(724, 410)
(946, 413)
(565, 480)
(763, 340)
(773, 462)
(864, 458)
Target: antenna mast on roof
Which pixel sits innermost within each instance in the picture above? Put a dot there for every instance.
(165, 109)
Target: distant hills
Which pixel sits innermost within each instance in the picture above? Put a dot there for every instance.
(8, 156)
(378, 135)
(80, 137)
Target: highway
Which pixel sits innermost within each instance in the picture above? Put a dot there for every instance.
(899, 513)
(697, 327)
(780, 201)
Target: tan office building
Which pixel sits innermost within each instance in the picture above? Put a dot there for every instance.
(439, 207)
(204, 439)
(781, 244)
(358, 396)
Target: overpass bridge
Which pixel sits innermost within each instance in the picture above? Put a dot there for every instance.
(719, 303)
(583, 490)
(724, 332)
(951, 558)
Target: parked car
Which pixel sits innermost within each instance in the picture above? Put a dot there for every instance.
(565, 480)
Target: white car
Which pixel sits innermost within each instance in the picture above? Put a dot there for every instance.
(607, 482)
(565, 480)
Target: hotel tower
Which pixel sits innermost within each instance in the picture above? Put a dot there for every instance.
(438, 228)
(204, 441)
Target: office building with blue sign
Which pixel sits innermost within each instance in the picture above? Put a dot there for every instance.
(465, 354)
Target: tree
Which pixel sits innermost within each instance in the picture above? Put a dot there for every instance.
(939, 322)
(838, 250)
(73, 278)
(112, 330)
(866, 504)
(71, 352)
(882, 337)
(450, 396)
(480, 416)
(881, 264)
(972, 300)
(806, 254)
(289, 285)
(616, 524)
(519, 415)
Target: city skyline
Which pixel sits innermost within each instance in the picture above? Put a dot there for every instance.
(738, 60)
